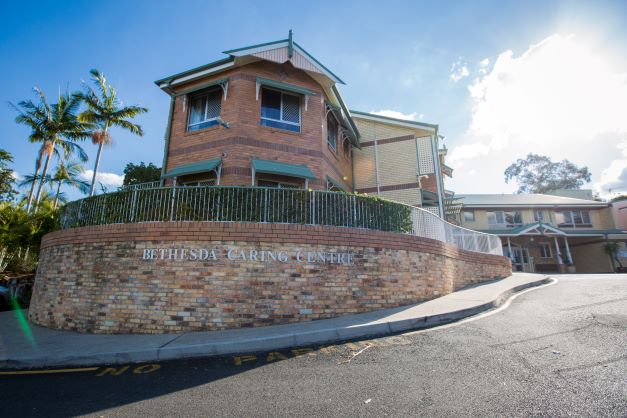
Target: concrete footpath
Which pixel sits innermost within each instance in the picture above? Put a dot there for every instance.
(24, 345)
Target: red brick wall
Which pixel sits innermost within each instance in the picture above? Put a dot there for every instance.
(93, 279)
(247, 139)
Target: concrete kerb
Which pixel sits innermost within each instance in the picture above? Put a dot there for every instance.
(192, 345)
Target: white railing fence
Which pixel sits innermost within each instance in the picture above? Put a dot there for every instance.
(270, 205)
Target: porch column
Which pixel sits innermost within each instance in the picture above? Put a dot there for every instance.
(557, 251)
(509, 248)
(570, 259)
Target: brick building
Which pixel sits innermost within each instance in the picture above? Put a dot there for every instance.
(271, 115)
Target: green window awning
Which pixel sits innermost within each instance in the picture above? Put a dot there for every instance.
(194, 168)
(282, 169)
(284, 86)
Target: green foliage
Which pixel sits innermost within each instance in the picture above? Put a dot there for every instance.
(141, 173)
(619, 198)
(56, 127)
(6, 177)
(612, 248)
(240, 204)
(538, 174)
(105, 110)
(21, 232)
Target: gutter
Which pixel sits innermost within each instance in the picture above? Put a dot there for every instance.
(168, 132)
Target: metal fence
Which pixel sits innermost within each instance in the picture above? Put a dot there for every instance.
(270, 205)
(149, 185)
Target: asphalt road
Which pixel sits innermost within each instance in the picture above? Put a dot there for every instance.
(560, 350)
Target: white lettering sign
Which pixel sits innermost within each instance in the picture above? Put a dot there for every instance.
(250, 255)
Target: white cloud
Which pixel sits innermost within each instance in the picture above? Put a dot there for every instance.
(483, 64)
(459, 70)
(395, 114)
(107, 179)
(614, 178)
(560, 98)
(16, 176)
(468, 151)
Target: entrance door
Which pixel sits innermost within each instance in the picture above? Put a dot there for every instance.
(520, 258)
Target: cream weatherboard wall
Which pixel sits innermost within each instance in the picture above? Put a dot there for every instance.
(392, 159)
(599, 218)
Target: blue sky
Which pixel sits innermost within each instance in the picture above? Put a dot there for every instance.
(439, 62)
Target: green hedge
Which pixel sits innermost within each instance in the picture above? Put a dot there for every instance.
(239, 204)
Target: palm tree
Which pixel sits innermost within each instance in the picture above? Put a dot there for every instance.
(69, 175)
(29, 115)
(55, 126)
(62, 127)
(105, 110)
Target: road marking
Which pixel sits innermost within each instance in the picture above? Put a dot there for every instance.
(146, 368)
(485, 314)
(313, 351)
(143, 369)
(17, 372)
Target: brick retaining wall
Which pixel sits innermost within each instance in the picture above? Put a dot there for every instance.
(95, 279)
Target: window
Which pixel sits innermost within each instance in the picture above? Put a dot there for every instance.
(280, 110)
(276, 184)
(346, 146)
(573, 218)
(204, 109)
(504, 219)
(538, 215)
(545, 251)
(332, 132)
(469, 215)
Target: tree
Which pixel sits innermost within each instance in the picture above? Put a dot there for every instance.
(612, 248)
(105, 110)
(68, 174)
(56, 126)
(538, 174)
(141, 173)
(6, 176)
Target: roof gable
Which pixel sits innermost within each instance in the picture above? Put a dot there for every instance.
(286, 50)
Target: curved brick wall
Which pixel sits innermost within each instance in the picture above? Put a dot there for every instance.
(148, 278)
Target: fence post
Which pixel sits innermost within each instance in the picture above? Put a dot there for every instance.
(133, 204)
(172, 203)
(265, 204)
(313, 207)
(104, 206)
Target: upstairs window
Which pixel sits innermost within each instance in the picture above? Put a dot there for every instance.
(504, 219)
(280, 110)
(572, 218)
(538, 215)
(332, 132)
(469, 215)
(204, 109)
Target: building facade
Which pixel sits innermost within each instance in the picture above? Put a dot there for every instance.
(271, 115)
(547, 233)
